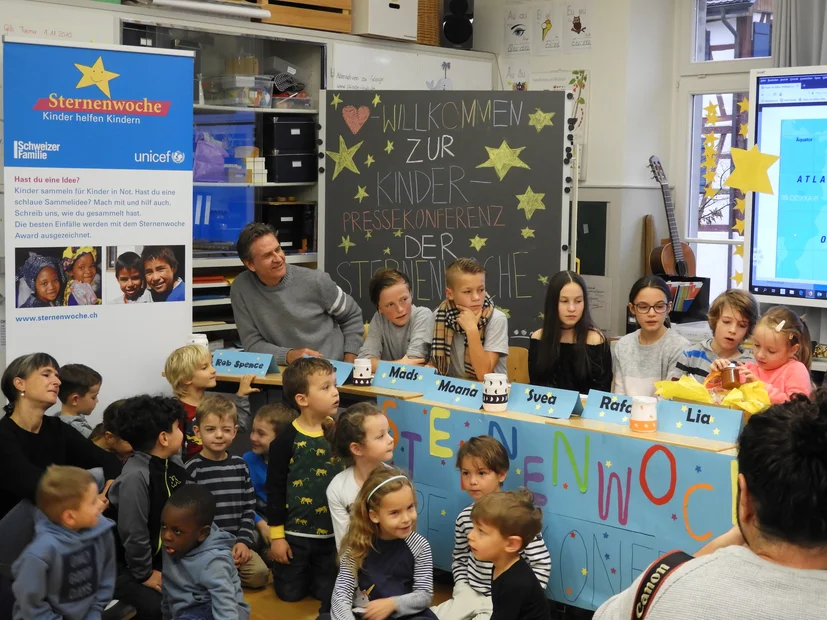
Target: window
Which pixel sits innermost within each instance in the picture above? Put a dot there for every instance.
(732, 29)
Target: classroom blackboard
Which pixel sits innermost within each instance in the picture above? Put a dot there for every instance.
(415, 179)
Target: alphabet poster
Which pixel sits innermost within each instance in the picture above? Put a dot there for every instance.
(611, 504)
(415, 179)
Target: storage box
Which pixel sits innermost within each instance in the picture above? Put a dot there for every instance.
(296, 224)
(293, 101)
(251, 91)
(284, 134)
(219, 213)
(297, 168)
(388, 19)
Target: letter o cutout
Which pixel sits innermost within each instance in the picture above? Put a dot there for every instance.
(673, 476)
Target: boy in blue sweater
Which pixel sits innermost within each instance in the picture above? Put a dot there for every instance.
(200, 578)
(68, 571)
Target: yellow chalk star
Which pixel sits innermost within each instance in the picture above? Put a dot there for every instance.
(678, 424)
(96, 75)
(743, 106)
(369, 161)
(503, 158)
(368, 234)
(716, 432)
(527, 232)
(518, 471)
(540, 119)
(584, 572)
(602, 414)
(376, 100)
(530, 202)
(543, 280)
(387, 251)
(709, 176)
(738, 278)
(389, 147)
(477, 242)
(738, 251)
(336, 101)
(739, 227)
(344, 157)
(740, 204)
(398, 232)
(346, 243)
(709, 191)
(744, 131)
(541, 316)
(608, 463)
(505, 311)
(684, 408)
(361, 194)
(750, 174)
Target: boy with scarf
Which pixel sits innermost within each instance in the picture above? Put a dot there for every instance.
(470, 334)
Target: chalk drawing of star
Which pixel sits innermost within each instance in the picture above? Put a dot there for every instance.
(376, 100)
(344, 157)
(527, 232)
(361, 194)
(389, 147)
(698, 468)
(477, 242)
(530, 202)
(346, 243)
(398, 232)
(336, 101)
(568, 590)
(518, 471)
(368, 235)
(369, 161)
(503, 159)
(540, 119)
(543, 280)
(387, 251)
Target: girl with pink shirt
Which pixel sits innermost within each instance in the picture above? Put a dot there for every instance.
(782, 351)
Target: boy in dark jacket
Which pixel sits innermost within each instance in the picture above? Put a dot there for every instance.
(200, 577)
(68, 570)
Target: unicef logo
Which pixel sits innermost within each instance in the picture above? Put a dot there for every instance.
(178, 157)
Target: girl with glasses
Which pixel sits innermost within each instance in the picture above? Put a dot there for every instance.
(650, 353)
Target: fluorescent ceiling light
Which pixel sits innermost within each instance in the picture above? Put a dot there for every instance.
(231, 10)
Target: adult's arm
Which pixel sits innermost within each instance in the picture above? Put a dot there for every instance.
(372, 346)
(251, 337)
(248, 516)
(422, 331)
(20, 475)
(344, 310)
(618, 386)
(85, 454)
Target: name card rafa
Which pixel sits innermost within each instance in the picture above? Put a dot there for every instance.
(403, 377)
(696, 420)
(232, 362)
(608, 407)
(344, 371)
(458, 392)
(543, 401)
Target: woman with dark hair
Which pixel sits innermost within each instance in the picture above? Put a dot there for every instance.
(399, 331)
(569, 352)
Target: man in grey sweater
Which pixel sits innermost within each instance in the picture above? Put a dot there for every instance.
(774, 564)
(289, 311)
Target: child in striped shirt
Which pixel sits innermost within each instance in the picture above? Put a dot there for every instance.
(227, 477)
(483, 464)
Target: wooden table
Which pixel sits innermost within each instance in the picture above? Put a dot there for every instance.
(275, 380)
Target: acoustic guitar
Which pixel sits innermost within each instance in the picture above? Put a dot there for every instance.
(673, 257)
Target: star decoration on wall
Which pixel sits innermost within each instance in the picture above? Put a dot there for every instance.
(607, 556)
(467, 424)
(709, 176)
(572, 535)
(398, 232)
(477, 242)
(541, 316)
(443, 462)
(336, 101)
(744, 131)
(743, 105)
(750, 174)
(740, 205)
(530, 202)
(368, 235)
(389, 147)
(739, 227)
(527, 232)
(709, 138)
(738, 278)
(614, 571)
(605, 534)
(369, 161)
(361, 194)
(711, 114)
(346, 243)
(376, 100)
(505, 311)
(503, 159)
(540, 119)
(387, 251)
(344, 157)
(709, 150)
(709, 192)
(543, 280)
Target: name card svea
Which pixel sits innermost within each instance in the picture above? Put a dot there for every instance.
(696, 420)
(232, 362)
(608, 407)
(457, 392)
(544, 401)
(344, 371)
(403, 377)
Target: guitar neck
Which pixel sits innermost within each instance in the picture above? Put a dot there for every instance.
(674, 237)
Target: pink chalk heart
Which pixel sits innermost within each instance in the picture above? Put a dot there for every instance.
(355, 118)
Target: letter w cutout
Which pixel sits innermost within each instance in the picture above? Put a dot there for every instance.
(622, 503)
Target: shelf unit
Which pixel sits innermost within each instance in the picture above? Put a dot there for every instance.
(297, 184)
(202, 303)
(205, 329)
(209, 107)
(203, 285)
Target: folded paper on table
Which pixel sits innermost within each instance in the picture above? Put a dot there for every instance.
(750, 398)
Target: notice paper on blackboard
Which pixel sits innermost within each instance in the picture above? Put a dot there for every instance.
(415, 179)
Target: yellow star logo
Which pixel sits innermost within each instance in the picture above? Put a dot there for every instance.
(530, 202)
(376, 100)
(750, 174)
(738, 251)
(388, 252)
(743, 105)
(398, 232)
(540, 119)
(709, 191)
(346, 243)
(389, 147)
(518, 471)
(608, 463)
(709, 176)
(738, 278)
(716, 432)
(503, 158)
(744, 130)
(527, 232)
(711, 111)
(336, 101)
(368, 234)
(478, 242)
(361, 194)
(740, 204)
(678, 424)
(543, 280)
(369, 161)
(739, 227)
(344, 157)
(96, 75)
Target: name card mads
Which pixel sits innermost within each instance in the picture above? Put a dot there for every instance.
(402, 377)
(344, 371)
(703, 421)
(456, 392)
(231, 362)
(547, 402)
(608, 407)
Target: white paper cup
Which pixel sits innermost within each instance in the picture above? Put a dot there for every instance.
(495, 392)
(362, 374)
(198, 339)
(644, 418)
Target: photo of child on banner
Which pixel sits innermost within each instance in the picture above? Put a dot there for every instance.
(57, 276)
